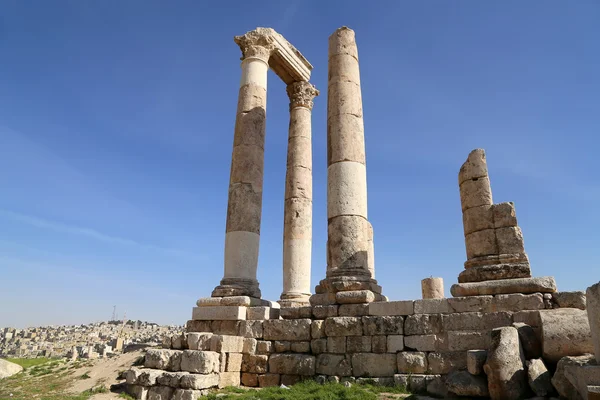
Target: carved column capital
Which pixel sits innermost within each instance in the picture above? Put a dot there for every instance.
(301, 94)
(255, 45)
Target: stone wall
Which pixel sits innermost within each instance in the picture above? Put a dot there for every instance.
(411, 343)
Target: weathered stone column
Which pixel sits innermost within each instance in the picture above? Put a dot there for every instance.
(432, 288)
(297, 229)
(348, 230)
(246, 179)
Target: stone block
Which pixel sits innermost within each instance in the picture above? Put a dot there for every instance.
(468, 340)
(505, 215)
(478, 218)
(462, 383)
(251, 329)
(353, 310)
(510, 240)
(148, 377)
(202, 362)
(432, 306)
(423, 324)
(565, 332)
(261, 313)
(227, 379)
(160, 393)
(593, 311)
(177, 342)
(318, 346)
(226, 327)
(421, 342)
(476, 321)
(322, 312)
(268, 380)
(504, 366)
(475, 361)
(199, 381)
(379, 325)
(234, 362)
(300, 347)
(443, 363)
(281, 346)
(255, 364)
(391, 308)
(539, 378)
(289, 380)
(518, 302)
(199, 341)
(137, 391)
(560, 380)
(317, 329)
(495, 272)
(481, 243)
(379, 344)
(358, 344)
(471, 304)
(187, 394)
(227, 344)
(132, 375)
(249, 346)
(169, 360)
(248, 379)
(373, 365)
(333, 365)
(290, 329)
(264, 347)
(412, 362)
(355, 297)
(343, 326)
(475, 192)
(295, 312)
(322, 299)
(395, 343)
(569, 299)
(292, 364)
(219, 313)
(530, 340)
(336, 344)
(198, 326)
(531, 318)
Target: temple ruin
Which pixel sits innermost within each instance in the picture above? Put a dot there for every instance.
(504, 334)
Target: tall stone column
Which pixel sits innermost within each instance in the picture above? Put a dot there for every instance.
(297, 229)
(349, 239)
(244, 205)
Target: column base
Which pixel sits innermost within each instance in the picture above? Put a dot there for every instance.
(484, 261)
(347, 290)
(495, 272)
(237, 287)
(294, 299)
(544, 284)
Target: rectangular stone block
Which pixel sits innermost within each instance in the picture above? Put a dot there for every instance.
(227, 379)
(373, 365)
(199, 341)
(376, 325)
(476, 321)
(544, 284)
(379, 344)
(475, 361)
(462, 341)
(249, 346)
(423, 324)
(226, 327)
(262, 313)
(292, 364)
(505, 215)
(395, 343)
(200, 362)
(255, 364)
(510, 240)
(264, 347)
(358, 344)
(234, 362)
(227, 344)
(531, 318)
(322, 312)
(317, 329)
(432, 306)
(295, 312)
(343, 326)
(198, 326)
(421, 342)
(391, 308)
(267, 380)
(250, 380)
(336, 344)
(481, 243)
(471, 304)
(353, 310)
(322, 299)
(412, 362)
(518, 302)
(250, 329)
(219, 313)
(290, 329)
(199, 381)
(300, 347)
(169, 360)
(478, 218)
(355, 297)
(318, 346)
(333, 365)
(282, 346)
(160, 393)
(443, 363)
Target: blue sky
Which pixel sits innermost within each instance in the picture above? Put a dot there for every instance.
(116, 127)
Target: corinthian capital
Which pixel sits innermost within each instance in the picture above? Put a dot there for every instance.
(256, 44)
(301, 94)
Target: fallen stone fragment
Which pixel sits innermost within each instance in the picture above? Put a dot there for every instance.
(540, 380)
(462, 383)
(565, 332)
(504, 367)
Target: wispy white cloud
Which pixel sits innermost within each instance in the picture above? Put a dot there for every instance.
(92, 234)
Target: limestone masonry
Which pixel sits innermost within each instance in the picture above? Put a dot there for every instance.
(504, 335)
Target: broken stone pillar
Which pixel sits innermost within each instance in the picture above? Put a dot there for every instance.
(297, 230)
(244, 207)
(593, 312)
(432, 288)
(348, 230)
(493, 239)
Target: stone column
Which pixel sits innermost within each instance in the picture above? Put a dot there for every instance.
(297, 228)
(432, 288)
(244, 205)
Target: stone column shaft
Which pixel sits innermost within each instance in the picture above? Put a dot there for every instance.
(348, 227)
(297, 230)
(244, 205)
